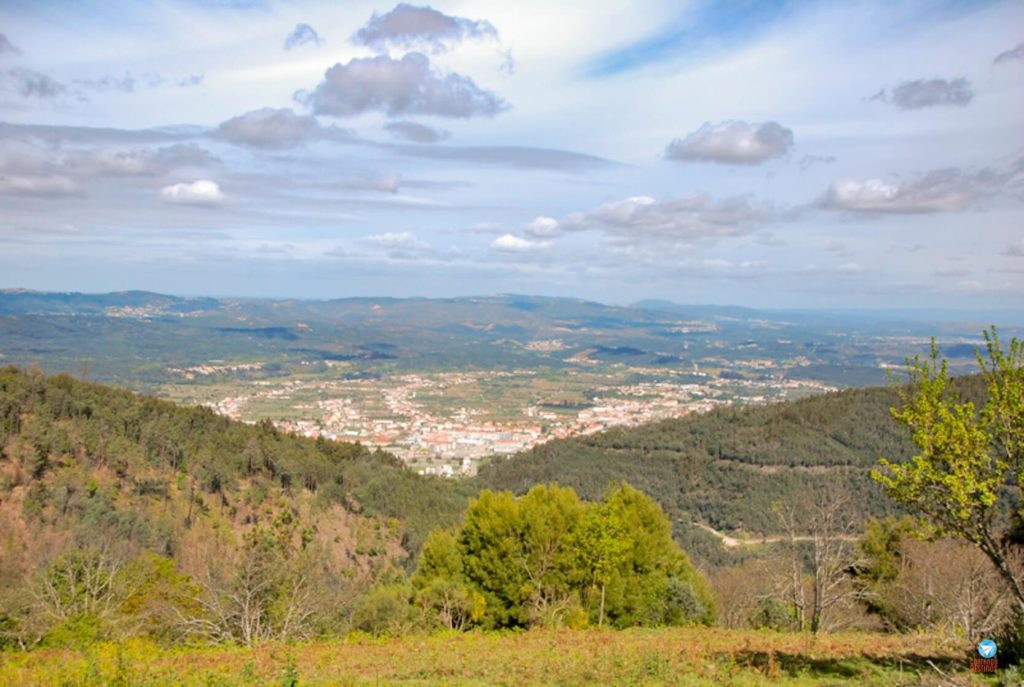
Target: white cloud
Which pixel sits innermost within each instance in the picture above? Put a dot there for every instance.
(202, 192)
(509, 243)
(138, 162)
(736, 143)
(938, 191)
(543, 227)
(400, 245)
(406, 86)
(402, 239)
(408, 26)
(688, 218)
(850, 268)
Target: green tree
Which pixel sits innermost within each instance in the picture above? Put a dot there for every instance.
(441, 586)
(970, 461)
(655, 583)
(603, 547)
(550, 517)
(489, 540)
(539, 559)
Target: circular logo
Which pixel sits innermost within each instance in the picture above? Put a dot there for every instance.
(987, 648)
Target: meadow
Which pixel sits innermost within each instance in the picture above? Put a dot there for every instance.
(677, 656)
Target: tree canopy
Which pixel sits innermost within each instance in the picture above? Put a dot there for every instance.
(968, 477)
(548, 558)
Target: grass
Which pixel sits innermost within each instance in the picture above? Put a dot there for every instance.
(691, 656)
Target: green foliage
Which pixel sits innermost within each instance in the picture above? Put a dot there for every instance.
(726, 468)
(1011, 642)
(773, 614)
(388, 610)
(155, 594)
(548, 558)
(958, 481)
(881, 548)
(67, 430)
(881, 553)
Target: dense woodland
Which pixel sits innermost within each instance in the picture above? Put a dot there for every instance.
(125, 515)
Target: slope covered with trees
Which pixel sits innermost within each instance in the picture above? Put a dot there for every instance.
(106, 496)
(121, 513)
(728, 468)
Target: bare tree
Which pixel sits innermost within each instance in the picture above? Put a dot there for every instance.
(818, 584)
(78, 583)
(270, 592)
(945, 586)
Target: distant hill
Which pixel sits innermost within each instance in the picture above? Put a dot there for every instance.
(25, 301)
(136, 338)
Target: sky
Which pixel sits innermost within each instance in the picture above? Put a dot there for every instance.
(768, 153)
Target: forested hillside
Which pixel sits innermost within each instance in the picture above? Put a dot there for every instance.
(729, 467)
(184, 510)
(93, 477)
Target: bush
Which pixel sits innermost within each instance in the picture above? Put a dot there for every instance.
(388, 610)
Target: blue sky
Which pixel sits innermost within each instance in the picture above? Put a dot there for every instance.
(770, 154)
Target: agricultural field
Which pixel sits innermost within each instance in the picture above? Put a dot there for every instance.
(681, 656)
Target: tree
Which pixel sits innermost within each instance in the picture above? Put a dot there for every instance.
(603, 548)
(653, 581)
(970, 461)
(441, 585)
(539, 559)
(272, 590)
(825, 517)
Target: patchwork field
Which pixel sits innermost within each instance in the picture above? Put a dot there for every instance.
(691, 656)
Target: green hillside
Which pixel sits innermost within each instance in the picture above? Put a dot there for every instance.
(61, 437)
(727, 468)
(112, 476)
(86, 466)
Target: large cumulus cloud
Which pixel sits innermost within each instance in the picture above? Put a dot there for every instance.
(406, 86)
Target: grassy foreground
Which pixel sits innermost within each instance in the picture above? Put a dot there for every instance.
(692, 656)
